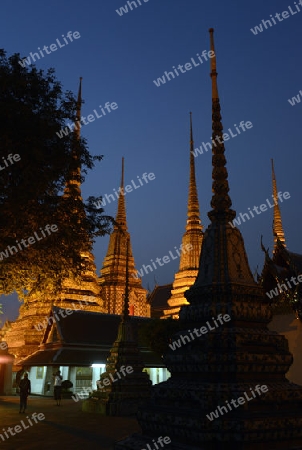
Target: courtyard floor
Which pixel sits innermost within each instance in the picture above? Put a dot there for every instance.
(64, 427)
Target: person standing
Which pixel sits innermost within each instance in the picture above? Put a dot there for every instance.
(58, 387)
(25, 389)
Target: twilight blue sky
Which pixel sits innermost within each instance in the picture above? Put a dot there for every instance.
(120, 56)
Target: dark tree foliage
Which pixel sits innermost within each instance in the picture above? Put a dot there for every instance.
(33, 108)
(158, 333)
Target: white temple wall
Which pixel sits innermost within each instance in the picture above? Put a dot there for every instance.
(72, 377)
(37, 379)
(97, 370)
(41, 376)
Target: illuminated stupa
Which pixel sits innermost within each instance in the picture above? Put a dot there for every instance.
(281, 274)
(191, 242)
(113, 272)
(278, 227)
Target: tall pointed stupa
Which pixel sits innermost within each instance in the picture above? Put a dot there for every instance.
(277, 226)
(228, 389)
(191, 243)
(113, 272)
(281, 271)
(277, 269)
(87, 290)
(25, 334)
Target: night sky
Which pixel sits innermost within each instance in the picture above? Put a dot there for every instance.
(120, 56)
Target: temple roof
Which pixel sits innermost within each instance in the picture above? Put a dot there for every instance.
(294, 260)
(280, 270)
(158, 299)
(83, 338)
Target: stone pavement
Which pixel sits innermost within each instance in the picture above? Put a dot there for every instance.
(64, 427)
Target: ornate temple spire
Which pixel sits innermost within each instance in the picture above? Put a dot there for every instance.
(121, 208)
(190, 245)
(192, 238)
(223, 258)
(221, 202)
(114, 270)
(78, 114)
(125, 314)
(73, 184)
(277, 225)
(193, 205)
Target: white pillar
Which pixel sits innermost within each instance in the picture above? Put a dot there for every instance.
(64, 372)
(153, 375)
(161, 374)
